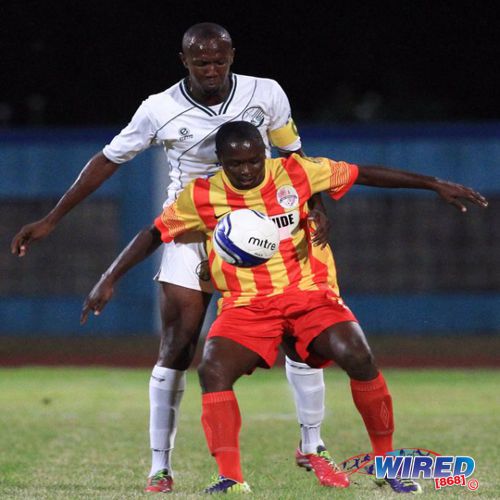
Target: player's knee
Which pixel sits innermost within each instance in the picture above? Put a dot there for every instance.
(176, 355)
(359, 364)
(211, 376)
(178, 347)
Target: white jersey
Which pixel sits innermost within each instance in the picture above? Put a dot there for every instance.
(186, 129)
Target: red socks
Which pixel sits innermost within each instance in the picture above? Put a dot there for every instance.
(373, 401)
(221, 422)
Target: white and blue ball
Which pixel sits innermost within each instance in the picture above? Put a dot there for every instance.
(246, 238)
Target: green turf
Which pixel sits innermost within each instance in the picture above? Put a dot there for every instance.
(83, 433)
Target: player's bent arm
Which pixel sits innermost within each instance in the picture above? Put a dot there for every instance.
(141, 246)
(318, 215)
(317, 209)
(392, 178)
(95, 172)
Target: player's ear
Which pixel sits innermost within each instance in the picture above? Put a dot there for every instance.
(233, 52)
(182, 57)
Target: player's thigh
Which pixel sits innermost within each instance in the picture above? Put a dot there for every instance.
(257, 327)
(182, 306)
(345, 343)
(183, 311)
(225, 361)
(185, 282)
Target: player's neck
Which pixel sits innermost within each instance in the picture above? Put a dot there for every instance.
(209, 99)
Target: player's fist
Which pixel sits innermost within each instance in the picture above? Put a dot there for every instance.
(31, 232)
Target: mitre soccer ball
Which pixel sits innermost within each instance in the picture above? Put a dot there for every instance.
(246, 238)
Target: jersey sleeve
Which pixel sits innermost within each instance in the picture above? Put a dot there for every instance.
(282, 130)
(137, 136)
(179, 217)
(334, 177)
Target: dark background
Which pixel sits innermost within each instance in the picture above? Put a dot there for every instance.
(91, 63)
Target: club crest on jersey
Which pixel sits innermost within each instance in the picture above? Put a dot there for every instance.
(254, 115)
(184, 134)
(287, 197)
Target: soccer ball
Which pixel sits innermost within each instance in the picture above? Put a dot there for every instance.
(246, 238)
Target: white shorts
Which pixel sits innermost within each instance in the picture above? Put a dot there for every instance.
(185, 263)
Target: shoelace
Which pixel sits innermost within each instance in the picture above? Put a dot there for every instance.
(160, 475)
(327, 465)
(324, 454)
(216, 480)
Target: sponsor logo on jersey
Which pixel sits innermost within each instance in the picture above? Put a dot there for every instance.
(254, 115)
(184, 134)
(287, 223)
(287, 197)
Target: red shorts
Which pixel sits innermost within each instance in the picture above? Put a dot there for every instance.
(261, 325)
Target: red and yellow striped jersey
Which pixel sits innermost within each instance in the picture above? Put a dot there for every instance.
(283, 194)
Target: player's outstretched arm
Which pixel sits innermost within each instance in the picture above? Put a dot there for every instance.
(143, 245)
(452, 193)
(97, 170)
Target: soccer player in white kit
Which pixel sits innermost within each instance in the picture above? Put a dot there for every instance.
(184, 120)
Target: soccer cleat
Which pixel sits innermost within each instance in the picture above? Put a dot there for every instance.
(160, 482)
(326, 470)
(401, 485)
(223, 484)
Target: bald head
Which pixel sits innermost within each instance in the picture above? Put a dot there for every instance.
(201, 32)
(207, 54)
(238, 132)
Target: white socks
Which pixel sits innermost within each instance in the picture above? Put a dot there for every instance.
(309, 394)
(166, 388)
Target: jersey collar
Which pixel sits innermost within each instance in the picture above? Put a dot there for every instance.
(206, 109)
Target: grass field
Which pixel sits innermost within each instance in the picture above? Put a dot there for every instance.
(82, 433)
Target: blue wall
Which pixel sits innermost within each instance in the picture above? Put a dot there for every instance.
(465, 153)
(44, 163)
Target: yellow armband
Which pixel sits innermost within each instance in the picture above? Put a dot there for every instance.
(282, 137)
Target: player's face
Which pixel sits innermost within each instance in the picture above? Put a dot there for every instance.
(243, 163)
(208, 63)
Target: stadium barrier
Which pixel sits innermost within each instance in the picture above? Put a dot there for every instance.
(407, 263)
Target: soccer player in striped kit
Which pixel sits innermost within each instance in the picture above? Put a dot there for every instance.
(295, 293)
(184, 120)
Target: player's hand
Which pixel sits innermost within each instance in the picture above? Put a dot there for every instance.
(97, 299)
(320, 226)
(454, 194)
(28, 233)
